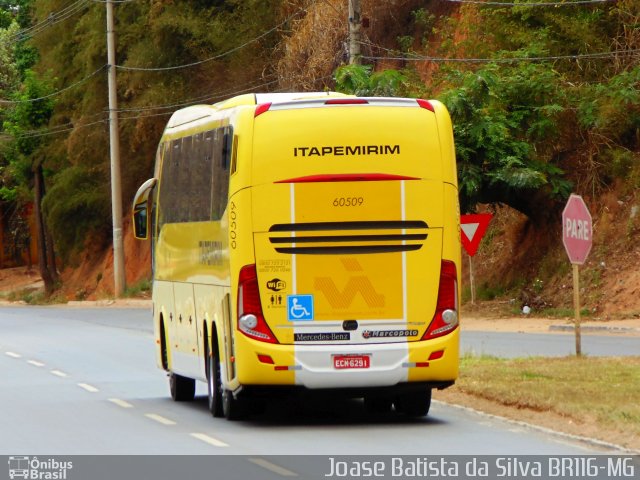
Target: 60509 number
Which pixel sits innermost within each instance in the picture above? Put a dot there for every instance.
(348, 201)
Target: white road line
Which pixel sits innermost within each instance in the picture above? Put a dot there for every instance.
(58, 373)
(159, 419)
(210, 440)
(121, 403)
(13, 355)
(88, 388)
(35, 363)
(272, 467)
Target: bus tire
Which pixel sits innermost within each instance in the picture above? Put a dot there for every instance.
(164, 355)
(182, 389)
(214, 386)
(414, 404)
(234, 408)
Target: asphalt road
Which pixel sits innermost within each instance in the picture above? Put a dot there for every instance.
(513, 345)
(83, 382)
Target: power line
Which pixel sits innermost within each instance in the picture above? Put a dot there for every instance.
(247, 87)
(52, 19)
(216, 57)
(63, 127)
(53, 131)
(69, 126)
(146, 115)
(533, 4)
(397, 55)
(216, 96)
(578, 56)
(213, 96)
(157, 69)
(58, 92)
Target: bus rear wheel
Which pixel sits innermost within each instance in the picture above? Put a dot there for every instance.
(182, 389)
(214, 386)
(234, 408)
(414, 404)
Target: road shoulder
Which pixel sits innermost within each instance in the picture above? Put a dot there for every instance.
(549, 422)
(527, 324)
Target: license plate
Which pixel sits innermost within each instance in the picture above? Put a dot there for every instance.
(351, 361)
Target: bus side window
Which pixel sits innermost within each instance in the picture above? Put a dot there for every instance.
(220, 180)
(200, 178)
(184, 181)
(154, 200)
(167, 195)
(195, 178)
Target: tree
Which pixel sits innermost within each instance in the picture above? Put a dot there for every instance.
(363, 81)
(9, 78)
(26, 154)
(506, 120)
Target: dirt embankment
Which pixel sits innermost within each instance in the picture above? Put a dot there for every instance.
(92, 279)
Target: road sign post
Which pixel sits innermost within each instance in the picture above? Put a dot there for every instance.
(577, 237)
(473, 227)
(576, 307)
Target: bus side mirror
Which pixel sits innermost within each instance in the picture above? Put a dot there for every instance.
(141, 209)
(140, 222)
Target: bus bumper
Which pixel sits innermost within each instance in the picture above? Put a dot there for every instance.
(315, 366)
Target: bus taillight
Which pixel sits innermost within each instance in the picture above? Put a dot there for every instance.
(445, 319)
(426, 104)
(260, 109)
(251, 321)
(346, 101)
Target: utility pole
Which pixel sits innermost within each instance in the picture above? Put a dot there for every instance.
(114, 141)
(355, 31)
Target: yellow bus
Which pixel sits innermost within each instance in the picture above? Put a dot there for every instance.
(305, 242)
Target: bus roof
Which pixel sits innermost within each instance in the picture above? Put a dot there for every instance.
(201, 112)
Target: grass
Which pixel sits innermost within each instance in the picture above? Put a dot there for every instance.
(604, 391)
(36, 296)
(33, 296)
(563, 312)
(142, 288)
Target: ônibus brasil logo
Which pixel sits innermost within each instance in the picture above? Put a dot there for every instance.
(37, 469)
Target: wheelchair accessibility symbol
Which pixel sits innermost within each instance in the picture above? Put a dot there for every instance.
(299, 308)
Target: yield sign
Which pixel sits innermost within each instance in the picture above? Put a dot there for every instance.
(473, 227)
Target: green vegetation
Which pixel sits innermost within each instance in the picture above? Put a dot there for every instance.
(602, 390)
(563, 313)
(143, 287)
(33, 296)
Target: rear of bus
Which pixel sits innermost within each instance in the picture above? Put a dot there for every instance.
(353, 284)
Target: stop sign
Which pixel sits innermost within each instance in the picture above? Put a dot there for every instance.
(577, 229)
